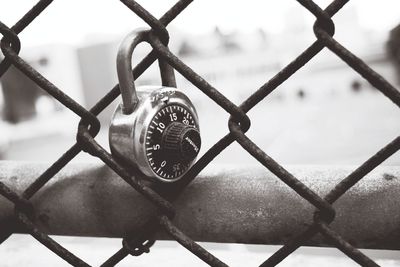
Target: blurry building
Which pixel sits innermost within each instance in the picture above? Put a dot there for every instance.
(393, 47)
(20, 95)
(258, 56)
(29, 114)
(98, 73)
(24, 99)
(235, 63)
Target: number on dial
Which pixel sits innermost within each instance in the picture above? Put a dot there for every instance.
(162, 165)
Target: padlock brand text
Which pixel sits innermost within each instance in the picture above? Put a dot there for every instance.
(162, 96)
(196, 148)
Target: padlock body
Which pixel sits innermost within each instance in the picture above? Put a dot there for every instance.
(130, 134)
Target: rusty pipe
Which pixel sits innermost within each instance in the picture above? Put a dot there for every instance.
(224, 204)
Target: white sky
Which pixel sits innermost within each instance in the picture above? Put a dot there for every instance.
(69, 21)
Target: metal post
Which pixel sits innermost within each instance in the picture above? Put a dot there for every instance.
(224, 204)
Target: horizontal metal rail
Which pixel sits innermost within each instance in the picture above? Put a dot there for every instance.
(224, 204)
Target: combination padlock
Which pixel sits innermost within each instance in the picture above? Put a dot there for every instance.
(155, 128)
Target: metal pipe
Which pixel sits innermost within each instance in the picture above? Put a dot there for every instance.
(223, 204)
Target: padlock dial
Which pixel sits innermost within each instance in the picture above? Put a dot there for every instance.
(172, 141)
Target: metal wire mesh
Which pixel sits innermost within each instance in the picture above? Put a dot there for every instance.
(239, 123)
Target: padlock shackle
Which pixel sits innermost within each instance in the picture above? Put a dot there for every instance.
(124, 69)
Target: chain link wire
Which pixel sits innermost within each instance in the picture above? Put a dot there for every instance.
(163, 196)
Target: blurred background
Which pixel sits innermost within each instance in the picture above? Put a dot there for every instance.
(325, 114)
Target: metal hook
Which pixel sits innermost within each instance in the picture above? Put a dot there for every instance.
(124, 69)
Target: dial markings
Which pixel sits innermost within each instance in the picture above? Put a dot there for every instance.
(160, 162)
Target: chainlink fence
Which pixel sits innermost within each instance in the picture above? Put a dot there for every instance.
(163, 196)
